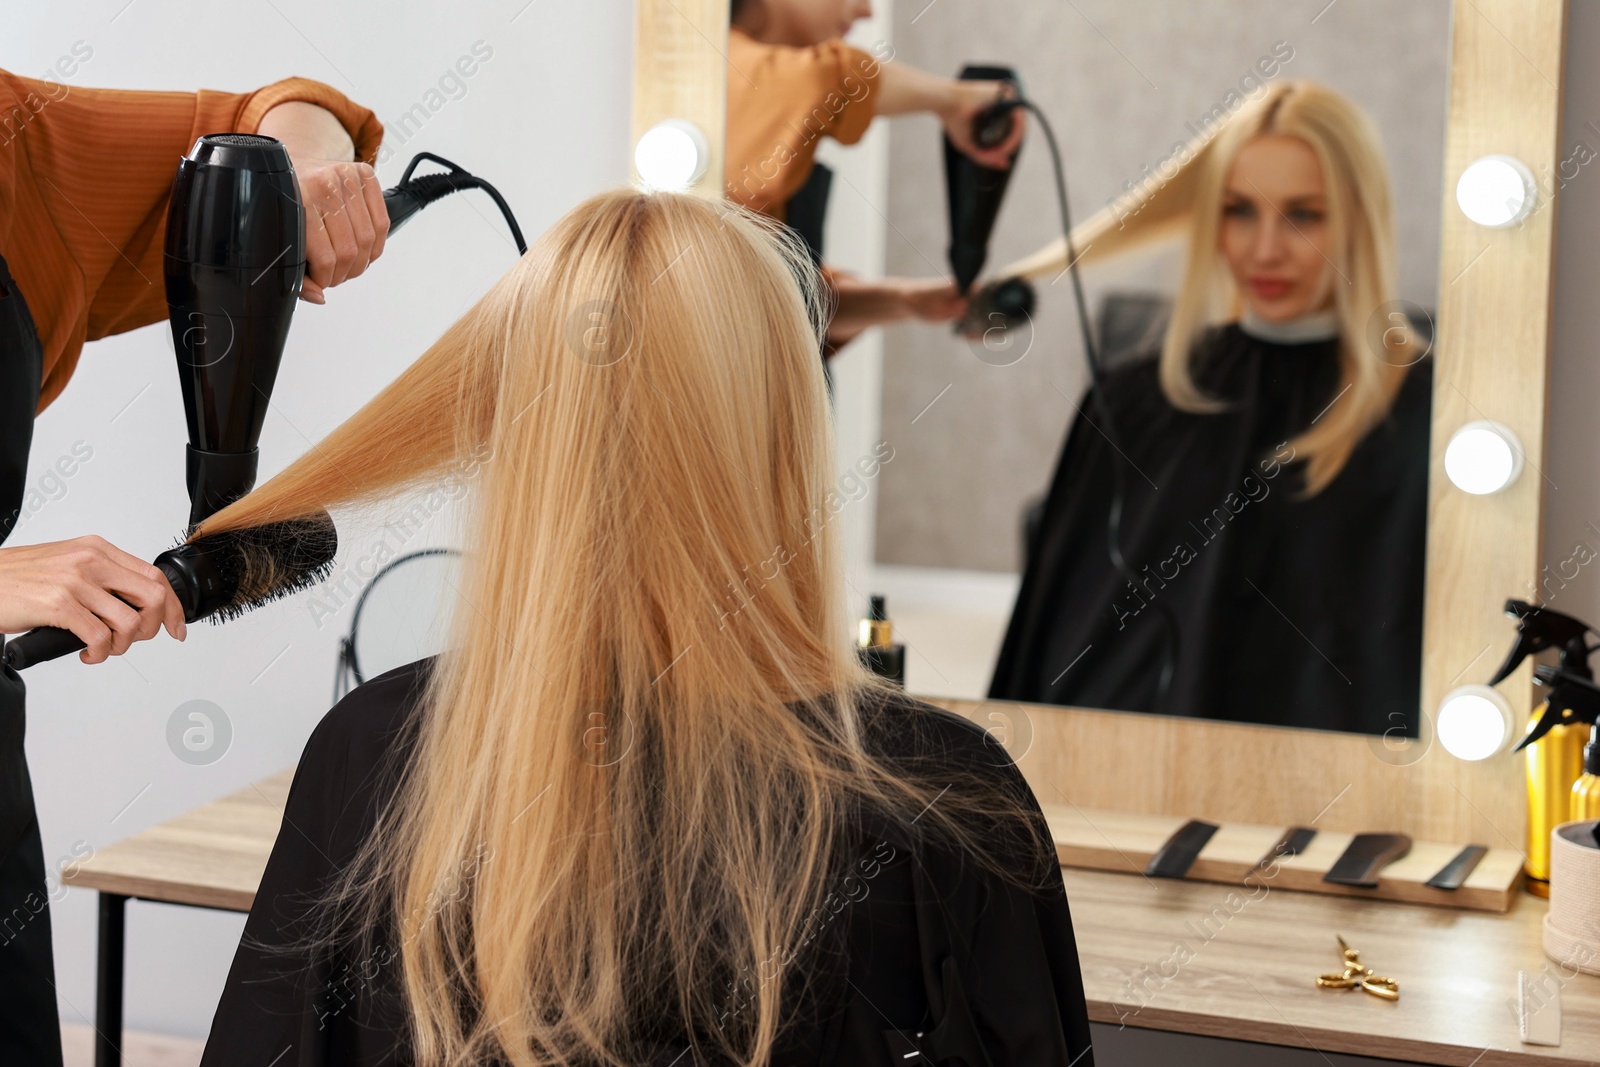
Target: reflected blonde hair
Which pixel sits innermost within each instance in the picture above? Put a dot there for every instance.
(634, 763)
(1187, 196)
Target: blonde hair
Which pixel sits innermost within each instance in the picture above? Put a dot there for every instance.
(1361, 253)
(645, 735)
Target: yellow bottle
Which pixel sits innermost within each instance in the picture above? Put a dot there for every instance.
(1586, 790)
(1554, 762)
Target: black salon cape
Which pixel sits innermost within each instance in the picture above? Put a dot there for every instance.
(1299, 612)
(1015, 950)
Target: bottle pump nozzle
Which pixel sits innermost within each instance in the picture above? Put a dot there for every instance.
(1574, 696)
(1539, 628)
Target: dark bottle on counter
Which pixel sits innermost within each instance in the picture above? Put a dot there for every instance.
(875, 645)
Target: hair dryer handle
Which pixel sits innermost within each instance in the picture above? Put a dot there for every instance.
(992, 125)
(413, 194)
(400, 204)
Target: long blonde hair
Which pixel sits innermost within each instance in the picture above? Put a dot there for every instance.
(1362, 258)
(645, 735)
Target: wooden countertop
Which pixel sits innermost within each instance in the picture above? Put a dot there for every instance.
(211, 857)
(1246, 969)
(1165, 955)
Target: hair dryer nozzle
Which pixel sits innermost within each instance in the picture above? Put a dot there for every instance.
(1006, 305)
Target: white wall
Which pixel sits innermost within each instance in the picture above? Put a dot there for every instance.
(546, 119)
(854, 237)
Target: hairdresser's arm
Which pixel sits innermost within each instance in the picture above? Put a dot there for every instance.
(903, 89)
(107, 597)
(346, 222)
(864, 303)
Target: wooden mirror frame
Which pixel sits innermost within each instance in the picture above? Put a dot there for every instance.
(1492, 353)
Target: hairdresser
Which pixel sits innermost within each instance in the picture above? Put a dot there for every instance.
(84, 180)
(791, 81)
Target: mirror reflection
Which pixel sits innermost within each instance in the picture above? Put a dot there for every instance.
(1189, 475)
(1235, 526)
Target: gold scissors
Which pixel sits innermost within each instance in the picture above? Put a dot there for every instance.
(1357, 975)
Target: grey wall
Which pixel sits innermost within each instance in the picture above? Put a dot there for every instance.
(1572, 491)
(1120, 80)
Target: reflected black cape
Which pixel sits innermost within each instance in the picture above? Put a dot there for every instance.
(1301, 612)
(907, 905)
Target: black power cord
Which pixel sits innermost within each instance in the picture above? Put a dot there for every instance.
(1119, 476)
(411, 195)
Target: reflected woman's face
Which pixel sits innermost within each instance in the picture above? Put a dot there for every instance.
(1274, 229)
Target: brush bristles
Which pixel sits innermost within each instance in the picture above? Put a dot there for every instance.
(266, 563)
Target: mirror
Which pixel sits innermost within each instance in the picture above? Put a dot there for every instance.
(1233, 593)
(1493, 295)
(402, 616)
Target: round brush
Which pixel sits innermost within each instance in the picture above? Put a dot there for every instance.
(219, 577)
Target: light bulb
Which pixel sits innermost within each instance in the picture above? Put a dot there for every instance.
(1496, 191)
(1474, 722)
(671, 155)
(1483, 457)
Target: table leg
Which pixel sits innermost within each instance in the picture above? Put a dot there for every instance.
(108, 980)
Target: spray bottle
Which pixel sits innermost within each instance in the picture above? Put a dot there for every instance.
(1558, 728)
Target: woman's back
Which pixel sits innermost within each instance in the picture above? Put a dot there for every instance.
(641, 776)
(873, 963)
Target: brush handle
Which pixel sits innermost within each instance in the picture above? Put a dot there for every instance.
(38, 645)
(44, 643)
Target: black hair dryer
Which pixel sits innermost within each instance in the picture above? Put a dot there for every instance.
(975, 193)
(235, 260)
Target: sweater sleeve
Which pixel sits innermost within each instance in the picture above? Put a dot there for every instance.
(116, 153)
(782, 101)
(103, 161)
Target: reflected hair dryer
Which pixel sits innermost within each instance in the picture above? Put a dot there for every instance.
(974, 193)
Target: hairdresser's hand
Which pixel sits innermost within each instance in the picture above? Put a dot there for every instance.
(87, 585)
(967, 99)
(346, 222)
(863, 303)
(932, 301)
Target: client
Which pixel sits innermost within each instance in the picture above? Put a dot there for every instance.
(647, 809)
(1270, 458)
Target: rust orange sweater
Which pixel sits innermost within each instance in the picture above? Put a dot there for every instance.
(782, 101)
(84, 180)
